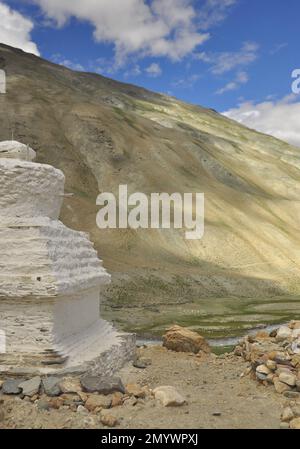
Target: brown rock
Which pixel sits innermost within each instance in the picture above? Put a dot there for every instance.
(56, 402)
(288, 379)
(95, 401)
(262, 335)
(135, 390)
(117, 399)
(280, 387)
(109, 420)
(181, 339)
(295, 423)
(287, 415)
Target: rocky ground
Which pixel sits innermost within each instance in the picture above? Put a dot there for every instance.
(204, 391)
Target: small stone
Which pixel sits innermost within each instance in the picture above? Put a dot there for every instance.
(97, 401)
(31, 387)
(93, 384)
(262, 335)
(273, 333)
(287, 415)
(280, 387)
(291, 394)
(283, 333)
(70, 385)
(117, 399)
(56, 403)
(11, 386)
(109, 420)
(135, 390)
(296, 333)
(168, 396)
(43, 405)
(288, 379)
(296, 411)
(262, 369)
(142, 362)
(271, 365)
(51, 386)
(82, 410)
(295, 423)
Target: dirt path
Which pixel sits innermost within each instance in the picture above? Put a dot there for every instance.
(217, 397)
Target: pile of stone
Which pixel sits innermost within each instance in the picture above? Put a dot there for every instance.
(88, 394)
(275, 358)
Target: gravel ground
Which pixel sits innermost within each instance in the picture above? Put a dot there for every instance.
(217, 397)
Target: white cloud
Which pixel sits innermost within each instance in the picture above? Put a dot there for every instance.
(154, 70)
(241, 78)
(277, 118)
(187, 82)
(226, 61)
(15, 30)
(214, 12)
(158, 28)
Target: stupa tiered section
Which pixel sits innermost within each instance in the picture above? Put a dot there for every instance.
(50, 279)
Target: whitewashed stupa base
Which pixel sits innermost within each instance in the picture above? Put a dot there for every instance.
(50, 279)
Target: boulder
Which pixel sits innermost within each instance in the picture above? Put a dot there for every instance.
(181, 339)
(168, 396)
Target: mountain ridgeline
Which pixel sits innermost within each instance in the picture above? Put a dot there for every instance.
(103, 133)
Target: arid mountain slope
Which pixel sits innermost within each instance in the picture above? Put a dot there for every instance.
(102, 133)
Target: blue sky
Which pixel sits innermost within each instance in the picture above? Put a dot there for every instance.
(235, 56)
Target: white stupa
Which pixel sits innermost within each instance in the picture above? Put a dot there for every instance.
(50, 278)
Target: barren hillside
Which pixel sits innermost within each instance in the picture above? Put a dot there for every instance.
(103, 133)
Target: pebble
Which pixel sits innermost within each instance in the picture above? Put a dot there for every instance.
(135, 390)
(168, 396)
(109, 420)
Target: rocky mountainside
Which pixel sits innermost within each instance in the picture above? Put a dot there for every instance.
(103, 133)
